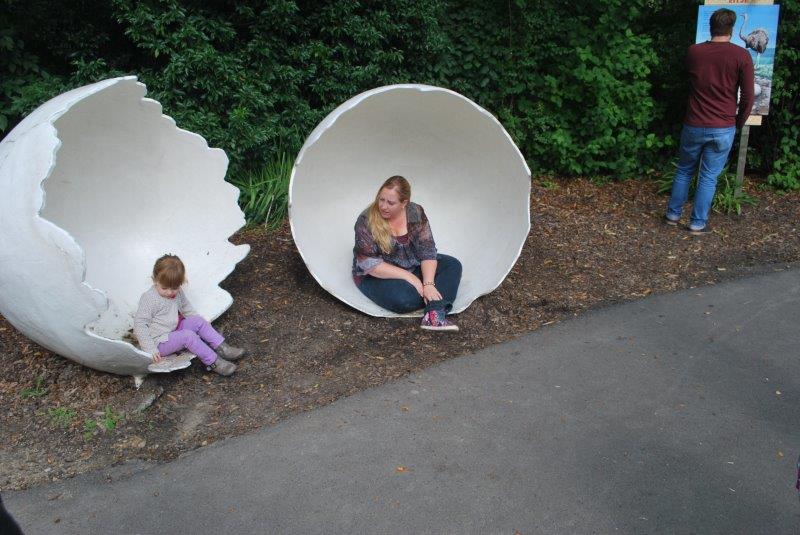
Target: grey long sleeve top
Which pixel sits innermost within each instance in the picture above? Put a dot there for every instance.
(157, 316)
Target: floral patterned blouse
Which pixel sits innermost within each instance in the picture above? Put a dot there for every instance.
(419, 246)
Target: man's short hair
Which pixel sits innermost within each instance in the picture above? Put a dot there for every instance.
(722, 21)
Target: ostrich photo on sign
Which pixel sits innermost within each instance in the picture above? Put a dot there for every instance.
(756, 30)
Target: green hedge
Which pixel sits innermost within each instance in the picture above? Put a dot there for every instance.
(778, 142)
(593, 89)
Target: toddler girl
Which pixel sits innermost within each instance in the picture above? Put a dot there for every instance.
(166, 322)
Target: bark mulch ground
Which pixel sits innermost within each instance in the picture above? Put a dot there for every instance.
(589, 246)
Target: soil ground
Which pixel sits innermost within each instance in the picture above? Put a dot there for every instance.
(590, 245)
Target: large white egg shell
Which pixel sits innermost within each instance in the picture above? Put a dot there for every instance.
(95, 185)
(463, 167)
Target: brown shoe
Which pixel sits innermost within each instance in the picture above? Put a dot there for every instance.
(229, 352)
(222, 367)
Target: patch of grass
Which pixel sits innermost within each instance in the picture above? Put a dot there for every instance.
(264, 195)
(600, 180)
(89, 428)
(35, 391)
(547, 183)
(110, 419)
(725, 199)
(664, 186)
(664, 181)
(61, 416)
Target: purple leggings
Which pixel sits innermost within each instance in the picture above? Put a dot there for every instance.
(195, 334)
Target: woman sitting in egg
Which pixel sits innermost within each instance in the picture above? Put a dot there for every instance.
(395, 261)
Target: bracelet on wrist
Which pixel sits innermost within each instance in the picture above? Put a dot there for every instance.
(429, 284)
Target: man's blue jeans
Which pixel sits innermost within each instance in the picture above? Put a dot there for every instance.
(708, 147)
(399, 296)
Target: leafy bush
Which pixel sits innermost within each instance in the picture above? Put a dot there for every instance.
(249, 76)
(570, 85)
(597, 92)
(19, 74)
(595, 88)
(780, 138)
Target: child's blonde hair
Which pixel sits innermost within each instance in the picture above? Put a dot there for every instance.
(378, 226)
(169, 271)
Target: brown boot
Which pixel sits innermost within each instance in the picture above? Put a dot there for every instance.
(229, 352)
(222, 367)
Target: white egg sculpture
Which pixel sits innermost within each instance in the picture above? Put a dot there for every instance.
(463, 167)
(95, 185)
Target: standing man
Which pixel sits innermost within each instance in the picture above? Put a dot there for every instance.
(717, 68)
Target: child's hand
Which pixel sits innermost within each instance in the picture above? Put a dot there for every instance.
(157, 356)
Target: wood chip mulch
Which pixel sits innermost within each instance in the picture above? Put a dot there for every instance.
(590, 246)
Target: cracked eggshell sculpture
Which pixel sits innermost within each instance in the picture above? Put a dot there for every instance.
(96, 184)
(463, 167)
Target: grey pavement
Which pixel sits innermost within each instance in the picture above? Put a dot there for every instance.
(674, 414)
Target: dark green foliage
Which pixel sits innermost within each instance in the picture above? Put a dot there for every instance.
(601, 93)
(21, 76)
(585, 88)
(571, 85)
(248, 76)
(779, 141)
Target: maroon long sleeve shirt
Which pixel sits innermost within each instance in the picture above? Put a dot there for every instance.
(716, 70)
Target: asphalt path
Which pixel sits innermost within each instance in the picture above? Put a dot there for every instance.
(673, 414)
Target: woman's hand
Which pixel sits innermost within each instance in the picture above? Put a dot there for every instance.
(416, 283)
(430, 293)
(157, 356)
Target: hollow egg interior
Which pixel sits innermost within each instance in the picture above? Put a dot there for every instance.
(463, 168)
(128, 186)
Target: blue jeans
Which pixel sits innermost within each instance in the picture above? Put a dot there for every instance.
(401, 297)
(708, 147)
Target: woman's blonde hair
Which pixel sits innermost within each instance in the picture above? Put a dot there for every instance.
(169, 271)
(378, 226)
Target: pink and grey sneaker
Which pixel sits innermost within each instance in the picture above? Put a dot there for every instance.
(435, 320)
